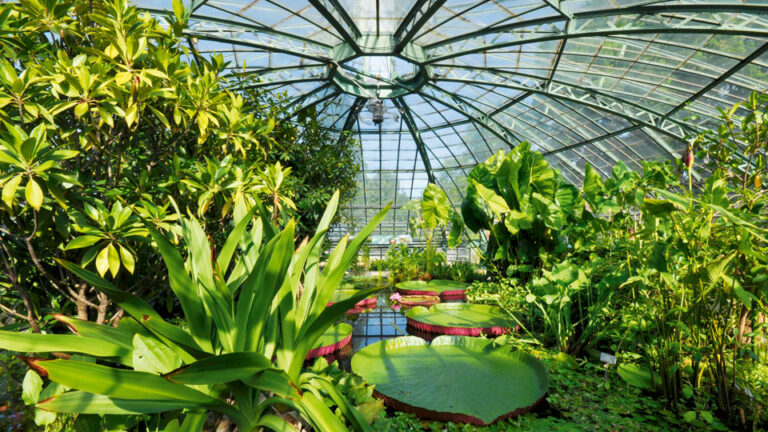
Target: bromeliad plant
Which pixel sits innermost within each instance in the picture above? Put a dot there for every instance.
(252, 313)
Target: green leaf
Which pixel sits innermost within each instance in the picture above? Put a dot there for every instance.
(658, 207)
(118, 383)
(593, 183)
(81, 109)
(31, 387)
(89, 403)
(34, 194)
(221, 369)
(82, 242)
(39, 343)
(435, 207)
(689, 416)
(9, 190)
(127, 258)
(102, 261)
(113, 258)
(150, 355)
(495, 202)
(457, 227)
(455, 374)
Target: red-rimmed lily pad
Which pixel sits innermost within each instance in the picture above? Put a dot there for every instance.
(343, 294)
(455, 378)
(446, 289)
(334, 339)
(465, 319)
(418, 300)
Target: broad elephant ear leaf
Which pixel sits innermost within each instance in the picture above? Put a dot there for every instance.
(457, 228)
(435, 207)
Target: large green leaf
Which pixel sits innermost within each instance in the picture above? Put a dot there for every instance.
(89, 403)
(462, 315)
(454, 375)
(28, 342)
(118, 383)
(221, 369)
(435, 207)
(436, 286)
(334, 335)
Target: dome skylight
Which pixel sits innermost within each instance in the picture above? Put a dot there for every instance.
(593, 81)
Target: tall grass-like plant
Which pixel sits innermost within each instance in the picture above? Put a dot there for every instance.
(252, 312)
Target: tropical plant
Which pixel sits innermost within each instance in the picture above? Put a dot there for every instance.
(434, 213)
(524, 204)
(258, 300)
(454, 378)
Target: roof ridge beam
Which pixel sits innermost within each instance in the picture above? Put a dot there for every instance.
(335, 14)
(414, 21)
(601, 23)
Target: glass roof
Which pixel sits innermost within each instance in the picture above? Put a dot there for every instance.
(596, 81)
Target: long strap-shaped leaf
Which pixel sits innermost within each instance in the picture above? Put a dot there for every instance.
(319, 414)
(311, 331)
(140, 310)
(233, 239)
(118, 383)
(220, 369)
(183, 287)
(211, 289)
(275, 423)
(90, 329)
(90, 403)
(259, 289)
(350, 412)
(333, 274)
(26, 342)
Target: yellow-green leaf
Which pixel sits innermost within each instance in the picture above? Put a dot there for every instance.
(81, 109)
(9, 190)
(131, 113)
(102, 261)
(114, 260)
(127, 257)
(122, 77)
(34, 194)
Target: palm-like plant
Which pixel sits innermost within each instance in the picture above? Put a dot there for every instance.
(258, 300)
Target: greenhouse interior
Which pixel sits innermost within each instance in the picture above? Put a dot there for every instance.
(383, 216)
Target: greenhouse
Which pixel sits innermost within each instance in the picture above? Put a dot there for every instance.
(359, 215)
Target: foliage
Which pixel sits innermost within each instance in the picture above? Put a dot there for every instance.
(107, 113)
(667, 274)
(259, 300)
(434, 214)
(524, 204)
(581, 397)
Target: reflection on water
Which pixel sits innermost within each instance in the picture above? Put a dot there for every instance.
(380, 323)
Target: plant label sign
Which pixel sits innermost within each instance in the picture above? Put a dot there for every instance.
(607, 358)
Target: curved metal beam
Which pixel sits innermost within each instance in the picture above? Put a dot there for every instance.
(415, 19)
(582, 96)
(420, 146)
(335, 14)
(700, 18)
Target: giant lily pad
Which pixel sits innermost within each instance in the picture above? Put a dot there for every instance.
(418, 300)
(460, 319)
(446, 289)
(334, 339)
(455, 378)
(343, 294)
